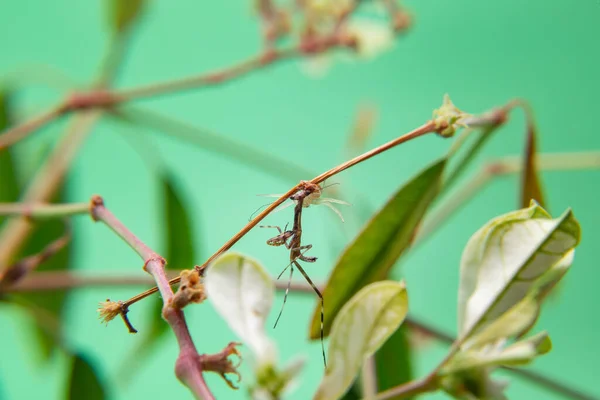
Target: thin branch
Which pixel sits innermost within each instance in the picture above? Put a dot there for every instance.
(188, 367)
(18, 132)
(230, 74)
(66, 280)
(43, 210)
(15, 272)
(427, 128)
(409, 389)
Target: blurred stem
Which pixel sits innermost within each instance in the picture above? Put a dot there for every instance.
(45, 183)
(49, 176)
(15, 272)
(211, 141)
(229, 74)
(369, 379)
(409, 389)
(43, 211)
(501, 167)
(18, 132)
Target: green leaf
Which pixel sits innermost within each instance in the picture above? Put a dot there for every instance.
(242, 292)
(84, 382)
(531, 188)
(372, 254)
(393, 361)
(361, 327)
(123, 13)
(503, 260)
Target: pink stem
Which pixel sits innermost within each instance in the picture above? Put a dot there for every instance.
(188, 367)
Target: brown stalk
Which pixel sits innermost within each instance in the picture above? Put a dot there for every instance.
(428, 127)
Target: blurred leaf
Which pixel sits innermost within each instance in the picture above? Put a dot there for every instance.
(372, 254)
(242, 293)
(215, 143)
(9, 187)
(122, 13)
(179, 252)
(454, 173)
(179, 237)
(361, 327)
(361, 132)
(84, 382)
(393, 361)
(502, 261)
(530, 183)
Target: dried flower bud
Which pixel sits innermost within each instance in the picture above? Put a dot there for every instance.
(222, 365)
(191, 290)
(109, 310)
(448, 118)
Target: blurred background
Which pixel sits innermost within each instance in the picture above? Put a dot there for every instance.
(482, 53)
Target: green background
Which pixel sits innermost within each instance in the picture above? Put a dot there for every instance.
(482, 53)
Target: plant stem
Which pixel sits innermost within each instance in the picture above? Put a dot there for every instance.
(43, 210)
(409, 389)
(65, 280)
(17, 132)
(369, 379)
(428, 127)
(188, 367)
(228, 74)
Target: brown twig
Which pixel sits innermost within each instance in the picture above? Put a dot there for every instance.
(428, 127)
(15, 272)
(188, 367)
(21, 131)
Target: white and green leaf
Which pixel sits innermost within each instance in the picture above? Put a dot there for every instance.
(503, 261)
(361, 327)
(242, 293)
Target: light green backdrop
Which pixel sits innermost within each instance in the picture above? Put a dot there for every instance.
(483, 53)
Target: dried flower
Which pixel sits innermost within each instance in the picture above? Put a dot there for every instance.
(109, 310)
(222, 365)
(191, 290)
